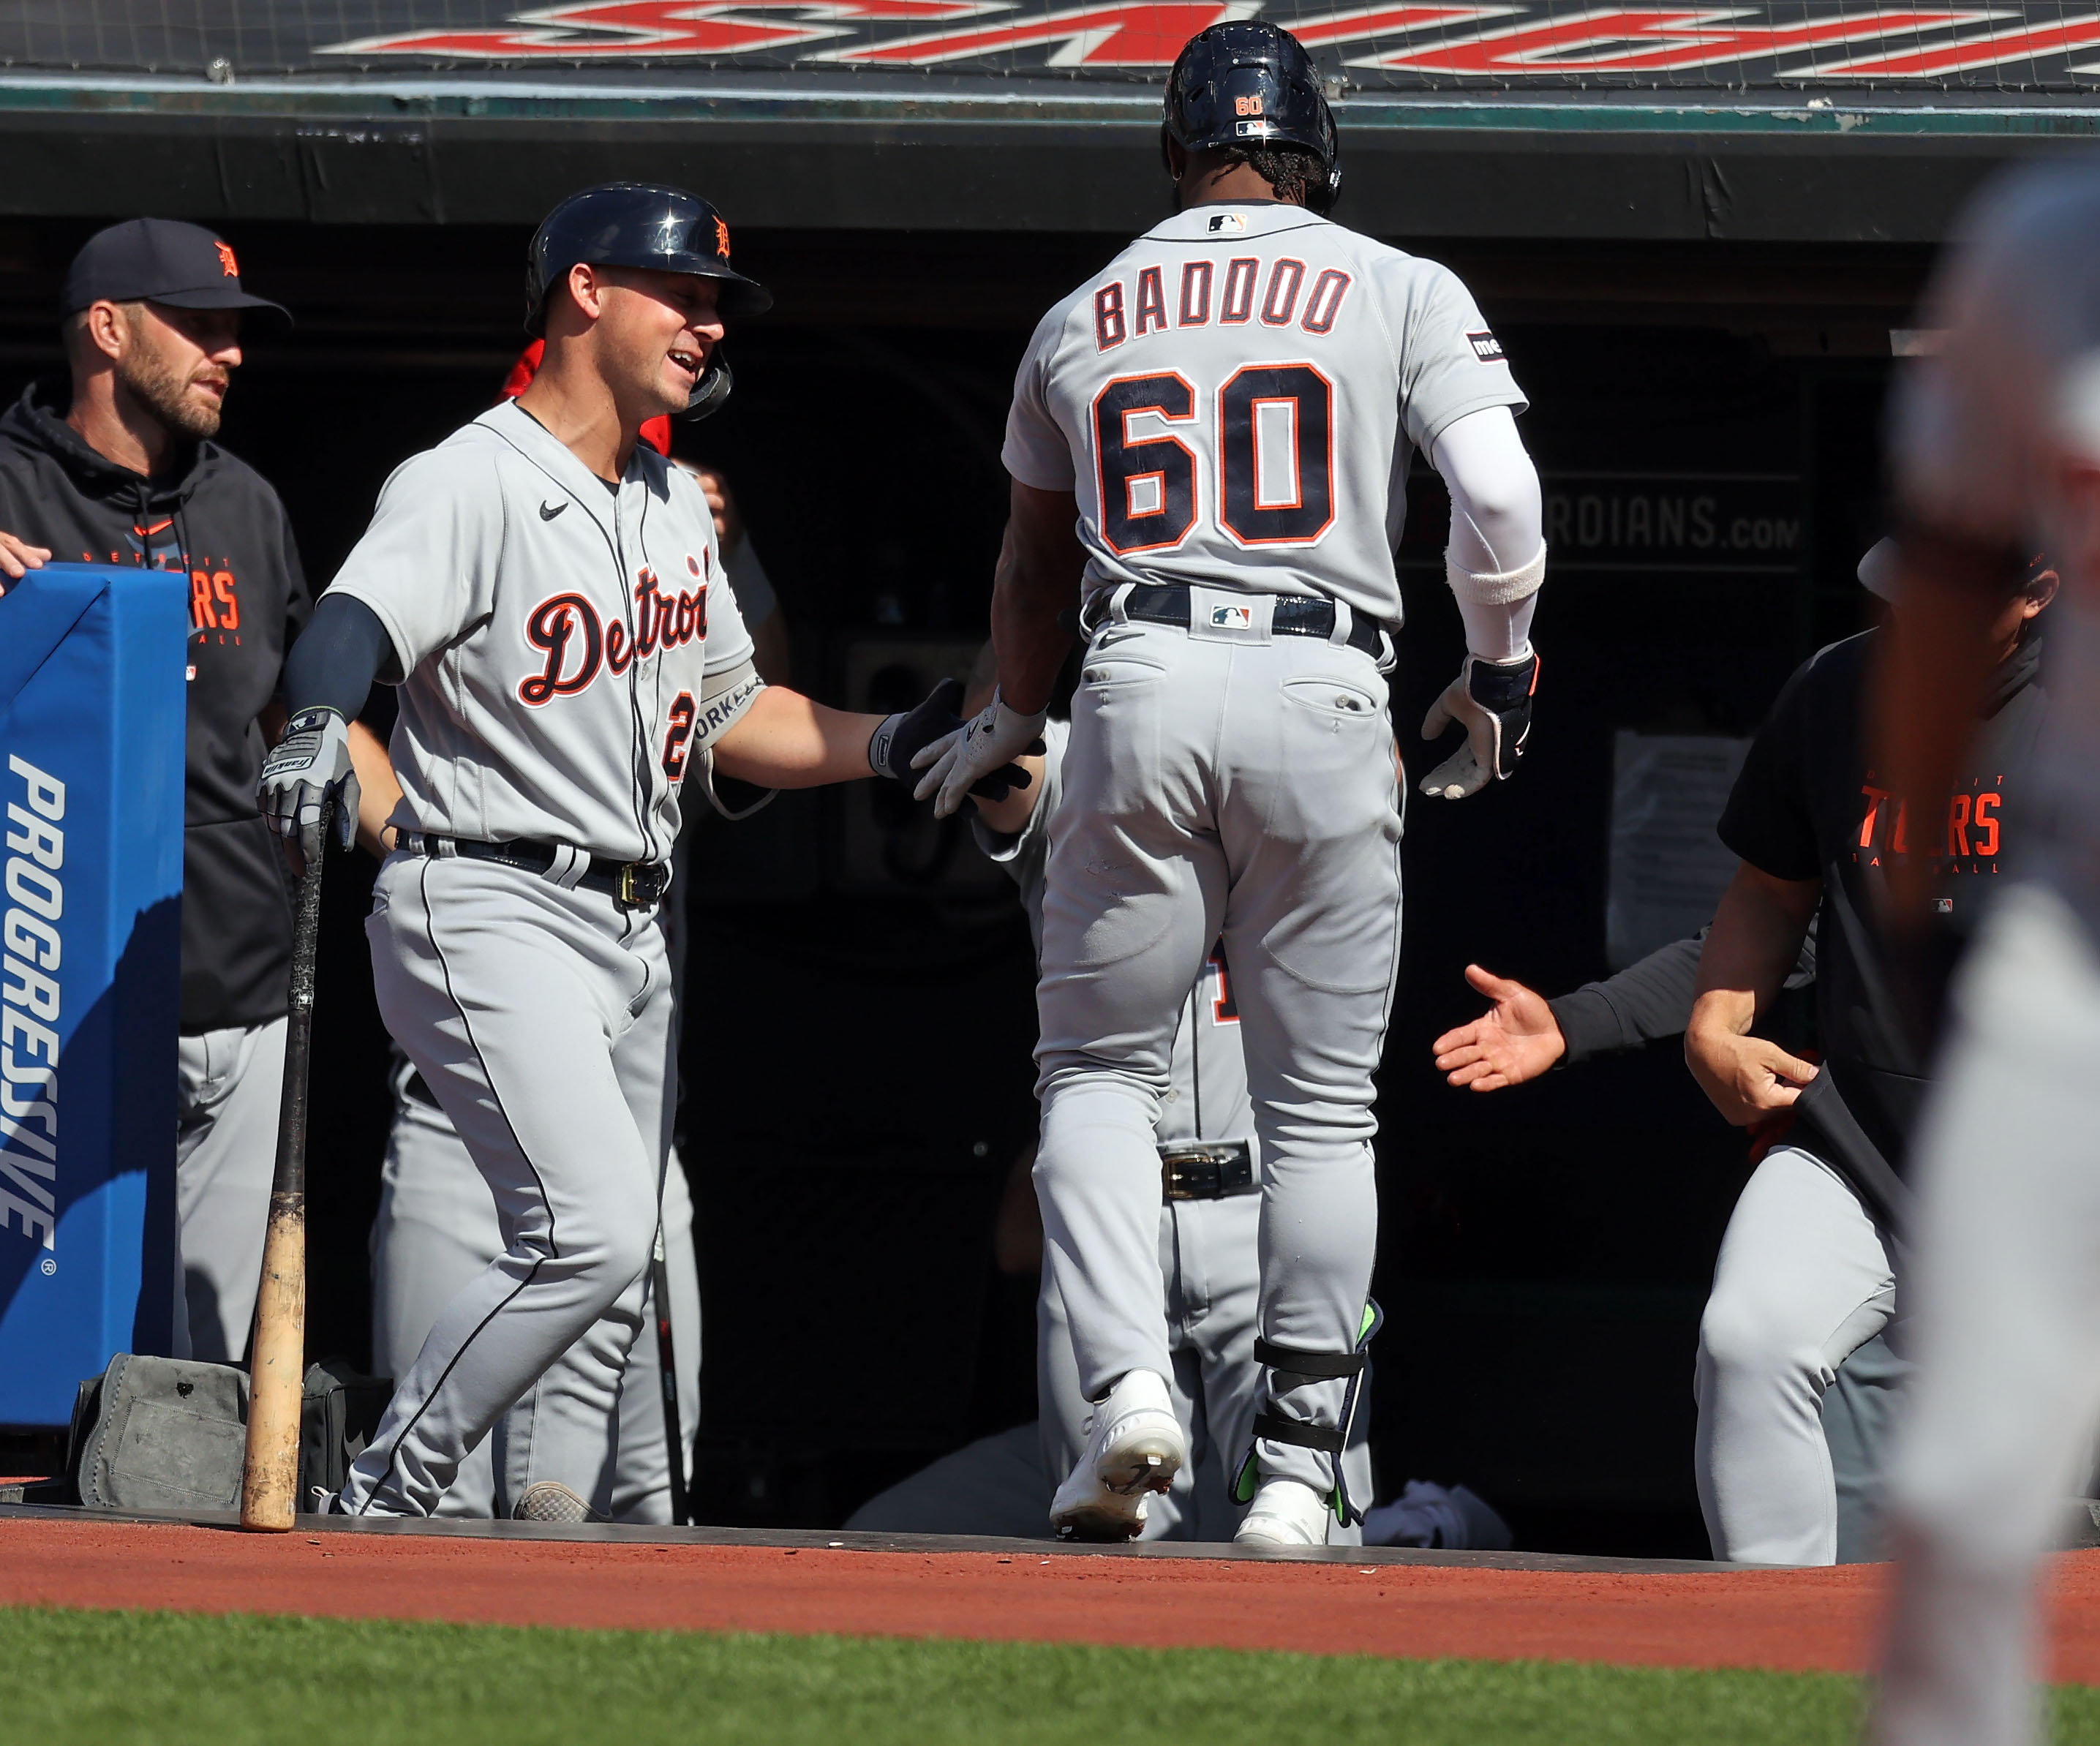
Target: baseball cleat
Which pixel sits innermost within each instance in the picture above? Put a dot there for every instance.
(1135, 1447)
(1285, 1513)
(550, 1501)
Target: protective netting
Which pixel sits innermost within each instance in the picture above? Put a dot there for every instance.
(2037, 46)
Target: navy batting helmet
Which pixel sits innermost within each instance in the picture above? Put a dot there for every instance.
(643, 224)
(1251, 85)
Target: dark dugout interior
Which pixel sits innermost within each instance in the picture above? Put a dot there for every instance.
(859, 1014)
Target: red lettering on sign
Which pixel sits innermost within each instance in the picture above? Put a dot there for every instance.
(1989, 48)
(1121, 33)
(1645, 39)
(655, 29)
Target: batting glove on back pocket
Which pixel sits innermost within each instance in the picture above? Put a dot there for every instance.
(978, 757)
(311, 761)
(1492, 701)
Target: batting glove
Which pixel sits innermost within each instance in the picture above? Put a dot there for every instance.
(977, 756)
(1492, 701)
(311, 761)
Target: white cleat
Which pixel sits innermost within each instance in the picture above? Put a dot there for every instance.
(1135, 1447)
(1285, 1513)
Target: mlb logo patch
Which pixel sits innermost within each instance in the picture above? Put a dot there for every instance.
(1232, 617)
(1227, 221)
(1486, 347)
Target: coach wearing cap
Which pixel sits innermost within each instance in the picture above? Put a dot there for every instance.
(114, 463)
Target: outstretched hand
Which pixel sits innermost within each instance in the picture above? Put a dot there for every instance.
(1517, 1038)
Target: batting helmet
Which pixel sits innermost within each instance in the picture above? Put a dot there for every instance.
(643, 224)
(1251, 85)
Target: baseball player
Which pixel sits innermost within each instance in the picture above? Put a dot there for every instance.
(542, 588)
(436, 1228)
(1215, 430)
(1209, 1226)
(1996, 445)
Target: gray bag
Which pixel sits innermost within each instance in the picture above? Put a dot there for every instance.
(161, 1434)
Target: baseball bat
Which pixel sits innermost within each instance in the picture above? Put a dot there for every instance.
(276, 1366)
(674, 1441)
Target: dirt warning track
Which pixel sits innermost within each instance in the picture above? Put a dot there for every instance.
(1793, 1620)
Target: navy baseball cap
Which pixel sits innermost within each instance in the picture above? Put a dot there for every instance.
(158, 260)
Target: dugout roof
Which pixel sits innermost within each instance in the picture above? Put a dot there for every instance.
(1774, 119)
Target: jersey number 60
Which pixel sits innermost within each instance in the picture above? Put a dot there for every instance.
(1275, 459)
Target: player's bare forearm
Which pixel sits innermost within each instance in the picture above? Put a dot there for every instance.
(378, 790)
(786, 740)
(1756, 939)
(1040, 563)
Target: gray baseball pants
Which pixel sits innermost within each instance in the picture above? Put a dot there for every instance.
(1234, 784)
(435, 1233)
(1804, 1278)
(541, 1018)
(1210, 1256)
(231, 1087)
(2004, 1290)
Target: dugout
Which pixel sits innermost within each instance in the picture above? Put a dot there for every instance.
(1699, 232)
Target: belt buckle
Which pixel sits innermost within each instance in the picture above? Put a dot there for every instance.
(628, 898)
(1206, 1170)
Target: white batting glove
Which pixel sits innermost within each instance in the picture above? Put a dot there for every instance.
(958, 761)
(1492, 701)
(312, 760)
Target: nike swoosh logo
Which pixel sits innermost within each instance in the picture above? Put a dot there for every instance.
(547, 515)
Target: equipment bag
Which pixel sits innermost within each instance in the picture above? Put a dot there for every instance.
(171, 1434)
(338, 1417)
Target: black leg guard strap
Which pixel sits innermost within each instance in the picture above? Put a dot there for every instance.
(1297, 1361)
(1329, 1439)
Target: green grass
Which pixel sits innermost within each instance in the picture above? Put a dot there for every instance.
(70, 1678)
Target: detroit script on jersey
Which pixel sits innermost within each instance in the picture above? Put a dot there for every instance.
(556, 633)
(1235, 400)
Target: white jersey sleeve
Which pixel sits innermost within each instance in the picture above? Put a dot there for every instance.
(1450, 361)
(1037, 452)
(427, 565)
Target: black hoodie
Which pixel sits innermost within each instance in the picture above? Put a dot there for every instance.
(213, 520)
(1809, 804)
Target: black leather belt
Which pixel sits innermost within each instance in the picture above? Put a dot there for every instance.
(1295, 615)
(634, 885)
(1207, 1170)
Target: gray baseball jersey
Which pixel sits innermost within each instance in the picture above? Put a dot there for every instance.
(1209, 1249)
(1235, 400)
(556, 635)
